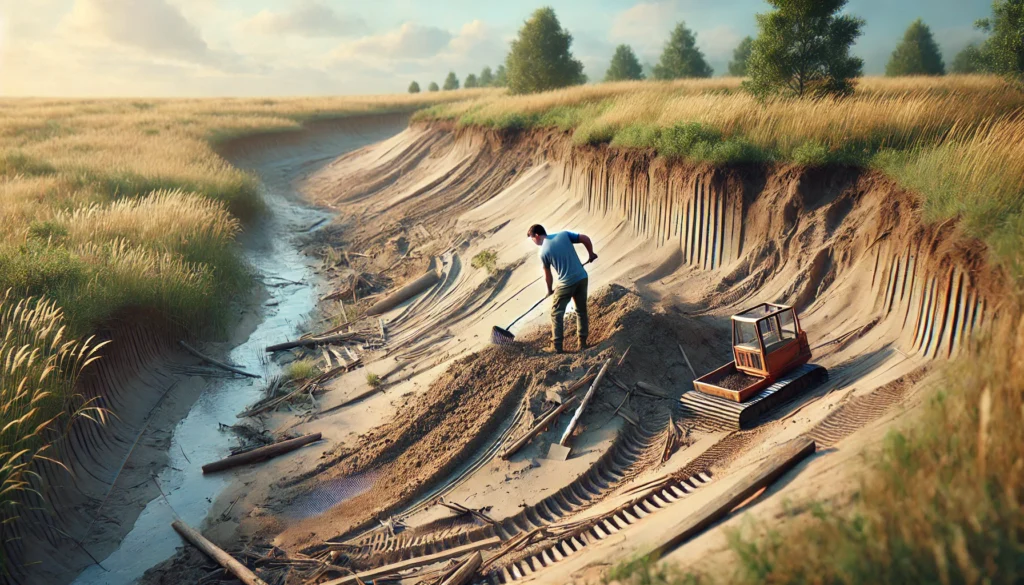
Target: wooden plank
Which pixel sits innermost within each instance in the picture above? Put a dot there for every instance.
(214, 552)
(415, 562)
(464, 574)
(583, 405)
(260, 454)
(784, 459)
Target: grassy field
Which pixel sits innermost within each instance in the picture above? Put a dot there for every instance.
(955, 140)
(112, 207)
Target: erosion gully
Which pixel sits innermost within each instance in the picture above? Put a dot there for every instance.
(274, 249)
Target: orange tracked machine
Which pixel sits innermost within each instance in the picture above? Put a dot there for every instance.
(769, 367)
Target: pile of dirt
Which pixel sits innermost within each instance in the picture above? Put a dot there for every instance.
(435, 431)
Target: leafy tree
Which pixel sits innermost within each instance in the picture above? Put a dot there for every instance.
(433, 86)
(1003, 52)
(918, 54)
(738, 65)
(414, 87)
(471, 81)
(540, 58)
(624, 65)
(681, 57)
(451, 82)
(969, 60)
(803, 49)
(486, 77)
(501, 76)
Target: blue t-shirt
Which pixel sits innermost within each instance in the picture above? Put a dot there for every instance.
(558, 254)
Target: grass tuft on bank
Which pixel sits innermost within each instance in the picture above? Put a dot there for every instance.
(954, 139)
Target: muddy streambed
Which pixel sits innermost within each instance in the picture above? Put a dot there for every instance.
(273, 250)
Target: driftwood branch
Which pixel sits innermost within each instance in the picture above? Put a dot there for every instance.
(261, 453)
(214, 362)
(214, 552)
(315, 341)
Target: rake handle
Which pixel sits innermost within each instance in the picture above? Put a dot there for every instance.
(530, 310)
(536, 304)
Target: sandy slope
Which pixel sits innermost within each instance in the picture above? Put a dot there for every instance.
(881, 296)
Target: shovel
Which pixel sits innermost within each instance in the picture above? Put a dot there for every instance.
(504, 336)
(561, 450)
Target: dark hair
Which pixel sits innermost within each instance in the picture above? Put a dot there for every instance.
(536, 230)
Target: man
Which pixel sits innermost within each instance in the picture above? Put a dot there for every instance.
(557, 252)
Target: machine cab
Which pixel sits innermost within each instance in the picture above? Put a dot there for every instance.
(767, 341)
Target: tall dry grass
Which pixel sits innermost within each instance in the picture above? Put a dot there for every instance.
(115, 205)
(39, 367)
(94, 191)
(955, 140)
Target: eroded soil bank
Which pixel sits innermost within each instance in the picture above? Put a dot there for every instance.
(430, 407)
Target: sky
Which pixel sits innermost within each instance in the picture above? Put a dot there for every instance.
(99, 48)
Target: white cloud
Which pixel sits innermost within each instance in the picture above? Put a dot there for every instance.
(718, 43)
(308, 18)
(409, 41)
(645, 23)
(154, 26)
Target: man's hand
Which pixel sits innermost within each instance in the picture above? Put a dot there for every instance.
(592, 257)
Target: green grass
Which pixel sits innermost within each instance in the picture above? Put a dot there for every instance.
(373, 380)
(301, 370)
(486, 260)
(954, 141)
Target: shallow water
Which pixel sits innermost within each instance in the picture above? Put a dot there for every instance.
(187, 493)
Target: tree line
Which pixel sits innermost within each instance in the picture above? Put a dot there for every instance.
(802, 48)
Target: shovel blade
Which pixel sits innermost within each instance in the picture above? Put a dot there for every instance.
(557, 452)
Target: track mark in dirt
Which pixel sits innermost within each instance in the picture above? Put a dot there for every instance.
(861, 410)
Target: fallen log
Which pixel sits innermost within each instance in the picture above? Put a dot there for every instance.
(415, 562)
(261, 453)
(405, 293)
(240, 571)
(214, 362)
(583, 405)
(537, 429)
(784, 459)
(315, 341)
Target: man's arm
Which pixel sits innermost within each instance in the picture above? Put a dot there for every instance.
(589, 245)
(548, 279)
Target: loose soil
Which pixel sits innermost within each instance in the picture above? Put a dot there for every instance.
(693, 245)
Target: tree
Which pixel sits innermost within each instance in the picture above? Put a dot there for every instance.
(803, 49)
(917, 54)
(486, 77)
(740, 55)
(471, 81)
(501, 76)
(969, 60)
(624, 65)
(451, 82)
(414, 87)
(681, 57)
(540, 58)
(1003, 52)
(433, 86)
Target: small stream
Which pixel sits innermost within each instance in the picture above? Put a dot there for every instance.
(197, 440)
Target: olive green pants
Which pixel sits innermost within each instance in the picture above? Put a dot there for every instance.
(560, 300)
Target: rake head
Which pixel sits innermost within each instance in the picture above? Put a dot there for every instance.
(501, 336)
